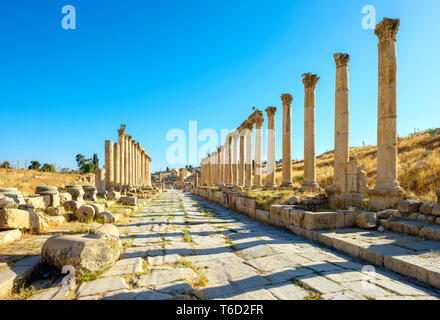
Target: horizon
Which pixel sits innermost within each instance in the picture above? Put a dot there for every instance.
(67, 91)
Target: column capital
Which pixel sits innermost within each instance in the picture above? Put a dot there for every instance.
(387, 29)
(270, 111)
(341, 59)
(286, 98)
(310, 80)
(129, 137)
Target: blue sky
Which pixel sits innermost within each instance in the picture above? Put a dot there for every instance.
(156, 65)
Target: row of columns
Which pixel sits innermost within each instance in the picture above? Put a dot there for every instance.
(127, 163)
(223, 168)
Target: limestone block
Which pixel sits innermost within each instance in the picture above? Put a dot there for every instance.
(39, 202)
(85, 213)
(56, 221)
(9, 236)
(15, 219)
(52, 192)
(51, 211)
(409, 206)
(426, 218)
(64, 197)
(99, 207)
(107, 229)
(427, 207)
(319, 220)
(83, 253)
(349, 219)
(366, 220)
(385, 214)
(107, 217)
(7, 203)
(297, 217)
(76, 191)
(262, 215)
(430, 232)
(130, 201)
(72, 206)
(436, 210)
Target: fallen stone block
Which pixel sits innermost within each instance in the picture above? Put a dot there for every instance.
(7, 203)
(11, 279)
(430, 232)
(98, 207)
(129, 201)
(113, 195)
(72, 206)
(90, 253)
(85, 213)
(52, 192)
(51, 211)
(366, 220)
(39, 202)
(107, 229)
(65, 197)
(76, 191)
(107, 217)
(409, 206)
(9, 236)
(319, 220)
(15, 219)
(426, 208)
(56, 221)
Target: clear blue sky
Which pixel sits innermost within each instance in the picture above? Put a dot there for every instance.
(156, 65)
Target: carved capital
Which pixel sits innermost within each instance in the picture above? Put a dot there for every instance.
(286, 98)
(129, 137)
(341, 59)
(310, 80)
(271, 111)
(387, 29)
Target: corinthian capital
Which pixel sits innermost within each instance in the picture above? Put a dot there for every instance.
(121, 131)
(310, 80)
(341, 59)
(387, 29)
(270, 111)
(286, 98)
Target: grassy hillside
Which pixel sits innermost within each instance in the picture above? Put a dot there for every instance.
(27, 180)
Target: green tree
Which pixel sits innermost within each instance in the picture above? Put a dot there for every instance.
(88, 167)
(80, 160)
(96, 160)
(47, 167)
(35, 165)
(5, 165)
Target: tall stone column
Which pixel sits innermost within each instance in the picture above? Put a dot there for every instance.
(214, 169)
(248, 162)
(286, 180)
(121, 142)
(229, 160)
(129, 157)
(241, 167)
(196, 178)
(387, 192)
(309, 182)
(341, 116)
(258, 151)
(234, 159)
(270, 177)
(136, 165)
(109, 180)
(127, 161)
(116, 167)
(219, 166)
(208, 171)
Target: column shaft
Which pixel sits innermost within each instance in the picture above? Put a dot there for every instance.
(270, 167)
(287, 141)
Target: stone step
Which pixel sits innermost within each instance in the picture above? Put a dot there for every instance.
(12, 278)
(414, 228)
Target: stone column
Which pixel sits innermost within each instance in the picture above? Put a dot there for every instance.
(100, 179)
(109, 163)
(196, 178)
(219, 166)
(309, 182)
(286, 180)
(234, 159)
(271, 165)
(214, 168)
(387, 192)
(121, 142)
(248, 162)
(229, 160)
(129, 164)
(136, 166)
(116, 166)
(341, 115)
(126, 160)
(241, 168)
(258, 151)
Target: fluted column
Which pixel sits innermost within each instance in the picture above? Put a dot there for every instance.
(309, 182)
(219, 166)
(127, 161)
(235, 159)
(241, 166)
(258, 151)
(109, 174)
(341, 115)
(387, 192)
(208, 171)
(121, 142)
(116, 167)
(214, 169)
(287, 140)
(270, 149)
(248, 162)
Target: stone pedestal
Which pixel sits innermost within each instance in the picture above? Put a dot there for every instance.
(309, 182)
(286, 180)
(51, 191)
(271, 165)
(90, 193)
(76, 191)
(387, 192)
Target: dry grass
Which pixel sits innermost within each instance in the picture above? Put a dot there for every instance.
(27, 180)
(418, 171)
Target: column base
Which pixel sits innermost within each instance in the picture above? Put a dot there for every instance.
(381, 198)
(310, 186)
(269, 187)
(287, 184)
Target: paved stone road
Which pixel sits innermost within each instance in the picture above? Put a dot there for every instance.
(183, 247)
